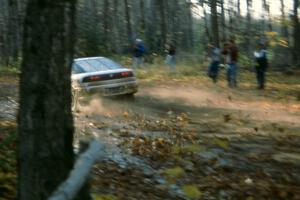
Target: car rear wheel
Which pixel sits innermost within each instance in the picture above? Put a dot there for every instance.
(129, 96)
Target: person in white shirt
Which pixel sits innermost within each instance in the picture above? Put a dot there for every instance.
(260, 55)
(214, 54)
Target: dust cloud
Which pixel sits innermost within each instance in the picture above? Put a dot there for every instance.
(93, 106)
(256, 108)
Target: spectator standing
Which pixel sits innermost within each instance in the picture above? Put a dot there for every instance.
(231, 52)
(214, 53)
(138, 53)
(262, 64)
(170, 58)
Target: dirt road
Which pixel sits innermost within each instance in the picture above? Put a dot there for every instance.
(183, 139)
(227, 144)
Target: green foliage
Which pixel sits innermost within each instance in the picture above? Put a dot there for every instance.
(8, 163)
(7, 146)
(246, 61)
(13, 68)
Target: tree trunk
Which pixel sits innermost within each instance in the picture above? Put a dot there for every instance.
(223, 21)
(13, 31)
(266, 7)
(214, 22)
(230, 14)
(4, 55)
(248, 26)
(175, 17)
(106, 22)
(284, 27)
(115, 32)
(128, 21)
(238, 8)
(190, 26)
(45, 131)
(142, 18)
(206, 27)
(296, 24)
(163, 25)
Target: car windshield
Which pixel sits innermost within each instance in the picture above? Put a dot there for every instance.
(94, 65)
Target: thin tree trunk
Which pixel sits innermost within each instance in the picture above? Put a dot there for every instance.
(230, 23)
(115, 32)
(238, 8)
(223, 21)
(206, 27)
(143, 20)
(13, 31)
(4, 55)
(128, 21)
(163, 25)
(106, 22)
(175, 25)
(296, 33)
(267, 10)
(214, 22)
(190, 25)
(284, 28)
(45, 130)
(248, 26)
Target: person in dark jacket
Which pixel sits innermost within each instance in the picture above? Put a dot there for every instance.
(262, 64)
(231, 52)
(138, 53)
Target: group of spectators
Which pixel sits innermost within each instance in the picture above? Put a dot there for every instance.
(139, 51)
(228, 56)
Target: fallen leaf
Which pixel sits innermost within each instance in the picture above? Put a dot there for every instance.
(104, 197)
(193, 148)
(221, 143)
(191, 191)
(175, 172)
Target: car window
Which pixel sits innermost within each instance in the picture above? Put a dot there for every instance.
(93, 65)
(76, 69)
(96, 64)
(110, 64)
(85, 66)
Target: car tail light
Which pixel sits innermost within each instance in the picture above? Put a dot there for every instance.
(125, 74)
(94, 78)
(91, 79)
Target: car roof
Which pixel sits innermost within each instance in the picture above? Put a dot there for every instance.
(89, 58)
